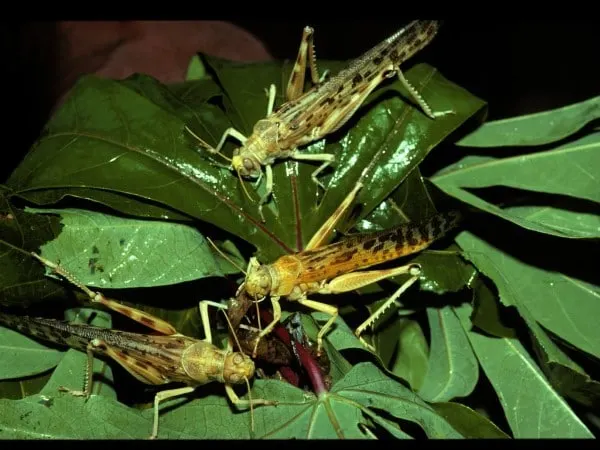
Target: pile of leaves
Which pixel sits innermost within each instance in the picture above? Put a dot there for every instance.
(497, 339)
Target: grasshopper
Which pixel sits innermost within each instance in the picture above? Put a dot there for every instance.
(335, 268)
(152, 359)
(308, 116)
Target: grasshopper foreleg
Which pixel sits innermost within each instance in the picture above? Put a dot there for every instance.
(217, 150)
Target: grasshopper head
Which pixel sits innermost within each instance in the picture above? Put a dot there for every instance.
(258, 281)
(245, 165)
(237, 368)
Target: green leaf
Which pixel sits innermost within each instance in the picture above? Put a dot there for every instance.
(56, 415)
(21, 356)
(563, 171)
(196, 69)
(444, 270)
(453, 370)
(412, 354)
(368, 386)
(108, 138)
(566, 376)
(565, 305)
(535, 129)
(22, 279)
(486, 315)
(107, 251)
(85, 147)
(341, 336)
(532, 407)
(568, 222)
(471, 424)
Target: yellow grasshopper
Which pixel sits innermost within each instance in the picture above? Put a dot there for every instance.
(309, 116)
(151, 359)
(335, 268)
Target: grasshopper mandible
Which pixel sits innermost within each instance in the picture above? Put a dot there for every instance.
(335, 268)
(309, 116)
(152, 359)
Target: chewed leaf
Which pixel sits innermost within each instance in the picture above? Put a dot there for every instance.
(113, 252)
(22, 279)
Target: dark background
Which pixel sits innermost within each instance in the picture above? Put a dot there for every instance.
(519, 67)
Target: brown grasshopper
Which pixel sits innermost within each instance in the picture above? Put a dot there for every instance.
(152, 359)
(334, 268)
(309, 116)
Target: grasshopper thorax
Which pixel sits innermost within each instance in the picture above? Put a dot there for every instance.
(237, 368)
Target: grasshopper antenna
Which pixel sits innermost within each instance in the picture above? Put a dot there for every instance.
(237, 342)
(244, 187)
(205, 144)
(225, 256)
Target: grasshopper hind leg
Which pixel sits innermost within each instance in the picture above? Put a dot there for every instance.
(89, 373)
(295, 86)
(414, 271)
(420, 100)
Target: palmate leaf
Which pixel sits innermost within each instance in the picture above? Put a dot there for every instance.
(363, 393)
(566, 170)
(123, 144)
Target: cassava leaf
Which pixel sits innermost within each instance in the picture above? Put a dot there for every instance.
(114, 252)
(132, 148)
(563, 304)
(535, 129)
(22, 279)
(532, 407)
(412, 355)
(564, 170)
(468, 422)
(453, 370)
